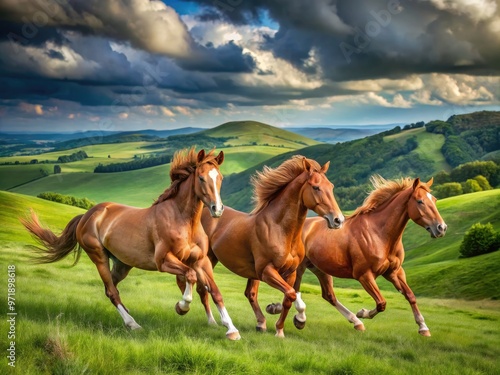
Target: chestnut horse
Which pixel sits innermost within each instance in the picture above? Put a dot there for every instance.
(167, 236)
(369, 245)
(266, 244)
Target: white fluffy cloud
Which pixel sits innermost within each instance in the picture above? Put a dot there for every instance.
(477, 10)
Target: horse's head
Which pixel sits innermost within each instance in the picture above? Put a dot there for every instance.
(317, 195)
(423, 211)
(208, 181)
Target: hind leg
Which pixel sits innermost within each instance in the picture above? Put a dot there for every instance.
(98, 255)
(251, 292)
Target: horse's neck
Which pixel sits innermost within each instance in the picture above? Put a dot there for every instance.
(288, 210)
(393, 217)
(188, 204)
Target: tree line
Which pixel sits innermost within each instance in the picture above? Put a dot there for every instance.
(138, 163)
(67, 199)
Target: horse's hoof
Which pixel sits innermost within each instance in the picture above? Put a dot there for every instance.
(363, 314)
(260, 329)
(360, 327)
(425, 333)
(233, 336)
(298, 324)
(274, 308)
(179, 311)
(134, 326)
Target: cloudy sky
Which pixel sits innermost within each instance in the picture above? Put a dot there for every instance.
(132, 64)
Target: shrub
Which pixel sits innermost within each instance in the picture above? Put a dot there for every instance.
(483, 182)
(67, 199)
(448, 189)
(471, 186)
(480, 239)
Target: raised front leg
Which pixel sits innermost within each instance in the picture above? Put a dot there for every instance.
(271, 276)
(368, 282)
(171, 264)
(398, 279)
(251, 292)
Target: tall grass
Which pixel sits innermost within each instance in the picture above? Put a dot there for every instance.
(66, 325)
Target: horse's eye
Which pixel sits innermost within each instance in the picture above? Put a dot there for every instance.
(316, 188)
(420, 201)
(202, 179)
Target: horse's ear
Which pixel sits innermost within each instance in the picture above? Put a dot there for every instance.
(430, 182)
(220, 158)
(416, 183)
(201, 155)
(325, 167)
(307, 165)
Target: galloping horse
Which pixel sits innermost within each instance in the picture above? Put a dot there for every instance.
(369, 245)
(167, 236)
(265, 244)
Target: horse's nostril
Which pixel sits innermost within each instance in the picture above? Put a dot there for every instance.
(337, 221)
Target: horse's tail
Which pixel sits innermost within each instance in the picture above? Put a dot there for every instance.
(56, 248)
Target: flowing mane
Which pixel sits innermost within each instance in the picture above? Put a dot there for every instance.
(270, 182)
(184, 162)
(383, 190)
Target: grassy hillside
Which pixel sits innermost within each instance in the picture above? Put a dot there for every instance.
(254, 132)
(256, 142)
(15, 175)
(352, 163)
(65, 324)
(136, 188)
(429, 146)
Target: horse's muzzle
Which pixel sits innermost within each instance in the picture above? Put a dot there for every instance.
(438, 230)
(334, 222)
(216, 213)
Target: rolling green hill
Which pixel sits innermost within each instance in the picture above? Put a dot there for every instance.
(428, 149)
(137, 188)
(254, 132)
(352, 163)
(256, 142)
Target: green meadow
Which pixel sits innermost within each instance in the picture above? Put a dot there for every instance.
(137, 188)
(66, 325)
(429, 146)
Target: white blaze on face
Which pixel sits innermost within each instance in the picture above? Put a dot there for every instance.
(429, 195)
(213, 175)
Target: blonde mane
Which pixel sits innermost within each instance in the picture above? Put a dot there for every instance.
(383, 191)
(270, 182)
(184, 162)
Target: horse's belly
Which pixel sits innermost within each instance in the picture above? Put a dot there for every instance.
(133, 252)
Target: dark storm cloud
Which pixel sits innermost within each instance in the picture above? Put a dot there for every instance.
(133, 53)
(148, 25)
(227, 58)
(360, 39)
